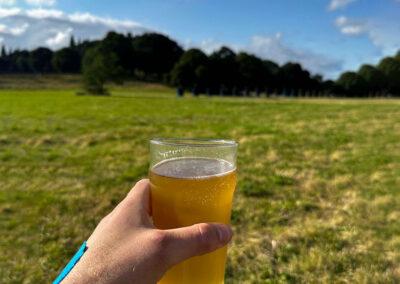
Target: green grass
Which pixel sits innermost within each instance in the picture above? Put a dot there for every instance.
(318, 198)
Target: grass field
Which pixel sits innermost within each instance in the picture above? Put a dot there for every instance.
(318, 198)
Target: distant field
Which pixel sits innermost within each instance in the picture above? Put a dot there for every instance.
(29, 81)
(318, 198)
(64, 82)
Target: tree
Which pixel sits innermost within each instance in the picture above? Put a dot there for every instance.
(251, 71)
(374, 78)
(98, 67)
(155, 54)
(391, 68)
(293, 78)
(72, 43)
(271, 70)
(40, 60)
(202, 78)
(190, 70)
(314, 83)
(223, 69)
(81, 47)
(397, 57)
(3, 51)
(21, 62)
(352, 84)
(121, 47)
(67, 60)
(329, 87)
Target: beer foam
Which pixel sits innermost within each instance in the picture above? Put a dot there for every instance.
(193, 168)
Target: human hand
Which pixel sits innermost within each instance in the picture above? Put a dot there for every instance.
(125, 247)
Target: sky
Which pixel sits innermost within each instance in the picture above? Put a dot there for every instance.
(326, 36)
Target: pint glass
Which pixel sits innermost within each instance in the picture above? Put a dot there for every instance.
(193, 181)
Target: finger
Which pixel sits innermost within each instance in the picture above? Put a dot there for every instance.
(138, 198)
(198, 239)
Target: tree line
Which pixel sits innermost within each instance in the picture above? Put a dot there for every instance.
(157, 58)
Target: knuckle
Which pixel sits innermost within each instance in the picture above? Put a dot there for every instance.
(160, 240)
(207, 236)
(159, 244)
(142, 182)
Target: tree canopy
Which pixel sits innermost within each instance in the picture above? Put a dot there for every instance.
(353, 84)
(375, 79)
(157, 58)
(67, 60)
(390, 66)
(190, 70)
(155, 54)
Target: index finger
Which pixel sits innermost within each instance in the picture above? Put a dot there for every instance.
(139, 196)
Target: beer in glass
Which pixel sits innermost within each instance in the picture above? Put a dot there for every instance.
(193, 181)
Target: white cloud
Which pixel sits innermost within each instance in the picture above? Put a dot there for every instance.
(337, 4)
(385, 35)
(49, 27)
(340, 21)
(275, 49)
(83, 18)
(61, 38)
(44, 13)
(13, 31)
(352, 30)
(350, 27)
(7, 2)
(88, 18)
(41, 2)
(17, 31)
(208, 45)
(7, 12)
(3, 28)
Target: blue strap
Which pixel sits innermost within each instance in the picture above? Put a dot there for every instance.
(74, 260)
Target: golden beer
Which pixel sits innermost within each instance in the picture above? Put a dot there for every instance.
(186, 191)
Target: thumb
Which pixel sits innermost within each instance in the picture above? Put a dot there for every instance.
(198, 239)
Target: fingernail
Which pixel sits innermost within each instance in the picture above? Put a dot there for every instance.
(225, 233)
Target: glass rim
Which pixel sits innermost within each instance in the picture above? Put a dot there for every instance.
(194, 142)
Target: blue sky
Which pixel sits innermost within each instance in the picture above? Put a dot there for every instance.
(326, 36)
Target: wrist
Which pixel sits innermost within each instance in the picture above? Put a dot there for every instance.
(71, 264)
(88, 270)
(79, 275)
